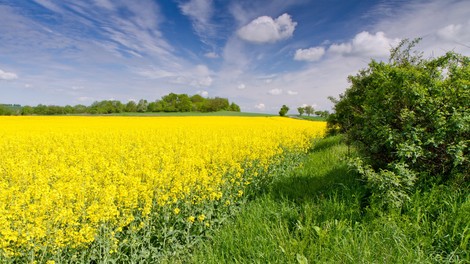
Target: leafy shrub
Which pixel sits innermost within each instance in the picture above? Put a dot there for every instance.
(410, 112)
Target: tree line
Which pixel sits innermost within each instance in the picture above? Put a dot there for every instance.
(309, 110)
(168, 103)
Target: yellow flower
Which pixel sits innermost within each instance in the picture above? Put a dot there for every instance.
(71, 175)
(201, 217)
(191, 219)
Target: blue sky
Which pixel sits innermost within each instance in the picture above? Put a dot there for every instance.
(260, 54)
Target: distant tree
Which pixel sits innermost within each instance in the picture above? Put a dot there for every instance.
(159, 106)
(169, 102)
(40, 109)
(309, 110)
(118, 107)
(197, 102)
(27, 110)
(284, 110)
(323, 114)
(5, 110)
(152, 107)
(216, 104)
(197, 98)
(79, 109)
(183, 103)
(234, 107)
(142, 106)
(131, 106)
(301, 110)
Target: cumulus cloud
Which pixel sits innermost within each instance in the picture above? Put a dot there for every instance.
(275, 91)
(455, 33)
(260, 106)
(311, 54)
(366, 44)
(265, 29)
(241, 86)
(8, 76)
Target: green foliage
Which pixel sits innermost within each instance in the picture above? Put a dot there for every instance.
(409, 114)
(234, 107)
(284, 110)
(391, 187)
(309, 110)
(323, 114)
(5, 110)
(301, 110)
(170, 103)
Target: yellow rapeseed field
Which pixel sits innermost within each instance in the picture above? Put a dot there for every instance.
(63, 178)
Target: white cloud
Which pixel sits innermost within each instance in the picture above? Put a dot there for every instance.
(289, 92)
(264, 29)
(105, 4)
(8, 76)
(241, 86)
(366, 44)
(200, 13)
(197, 76)
(203, 93)
(311, 54)
(455, 33)
(49, 5)
(275, 91)
(211, 55)
(205, 81)
(260, 106)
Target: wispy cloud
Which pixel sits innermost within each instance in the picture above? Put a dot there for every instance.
(200, 12)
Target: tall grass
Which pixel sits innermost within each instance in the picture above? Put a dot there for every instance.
(318, 213)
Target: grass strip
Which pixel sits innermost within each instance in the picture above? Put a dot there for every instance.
(317, 214)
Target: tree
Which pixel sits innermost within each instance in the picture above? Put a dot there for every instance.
(301, 110)
(215, 104)
(184, 103)
(131, 107)
(79, 109)
(284, 110)
(27, 110)
(309, 110)
(142, 106)
(234, 107)
(323, 114)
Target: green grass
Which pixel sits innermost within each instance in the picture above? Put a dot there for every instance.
(318, 214)
(311, 118)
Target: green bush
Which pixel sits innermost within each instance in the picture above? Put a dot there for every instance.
(409, 113)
